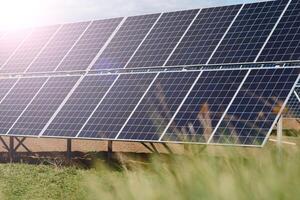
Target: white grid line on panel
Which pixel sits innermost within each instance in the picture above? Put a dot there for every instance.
(142, 41)
(17, 48)
(75, 43)
(275, 26)
(179, 107)
(9, 91)
(25, 109)
(136, 106)
(188, 28)
(228, 107)
(62, 104)
(296, 94)
(44, 47)
(225, 34)
(97, 106)
(106, 44)
(280, 112)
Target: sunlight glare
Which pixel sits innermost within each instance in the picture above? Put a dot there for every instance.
(17, 14)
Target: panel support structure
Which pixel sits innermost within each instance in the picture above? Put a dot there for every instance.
(69, 149)
(279, 132)
(109, 149)
(280, 112)
(296, 94)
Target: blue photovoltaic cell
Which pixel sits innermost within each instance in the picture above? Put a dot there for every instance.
(16, 101)
(158, 106)
(116, 107)
(284, 44)
(5, 86)
(9, 43)
(28, 51)
(80, 106)
(203, 36)
(44, 105)
(58, 47)
(89, 45)
(204, 106)
(125, 42)
(249, 32)
(256, 106)
(292, 109)
(162, 39)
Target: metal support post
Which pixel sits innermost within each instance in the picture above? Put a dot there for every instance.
(11, 150)
(279, 132)
(69, 149)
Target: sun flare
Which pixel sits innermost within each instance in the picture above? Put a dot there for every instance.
(17, 14)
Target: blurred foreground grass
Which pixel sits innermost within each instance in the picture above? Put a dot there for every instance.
(214, 173)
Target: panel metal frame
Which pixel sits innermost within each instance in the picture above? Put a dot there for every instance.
(25, 109)
(228, 107)
(274, 28)
(96, 108)
(43, 48)
(72, 47)
(220, 42)
(17, 48)
(186, 31)
(179, 107)
(62, 104)
(137, 105)
(297, 96)
(106, 44)
(159, 17)
(279, 113)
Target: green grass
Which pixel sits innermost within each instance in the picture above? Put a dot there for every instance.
(215, 173)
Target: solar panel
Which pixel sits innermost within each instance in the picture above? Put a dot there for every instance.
(162, 39)
(203, 36)
(125, 42)
(158, 106)
(33, 119)
(57, 49)
(9, 43)
(80, 106)
(249, 32)
(5, 86)
(204, 106)
(284, 44)
(293, 106)
(116, 107)
(256, 107)
(29, 50)
(16, 100)
(89, 45)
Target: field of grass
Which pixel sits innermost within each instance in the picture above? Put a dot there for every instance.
(225, 173)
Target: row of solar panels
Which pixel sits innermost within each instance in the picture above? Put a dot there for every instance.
(258, 32)
(237, 107)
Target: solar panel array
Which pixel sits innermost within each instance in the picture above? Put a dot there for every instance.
(208, 106)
